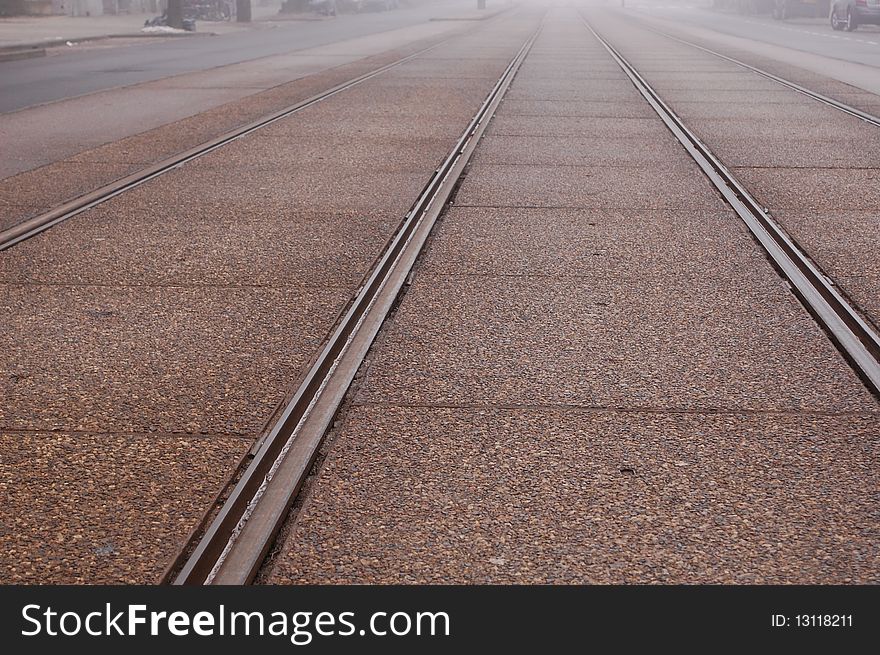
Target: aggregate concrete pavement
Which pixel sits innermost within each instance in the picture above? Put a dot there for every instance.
(37, 190)
(597, 393)
(784, 47)
(144, 96)
(172, 320)
(84, 508)
(484, 495)
(794, 154)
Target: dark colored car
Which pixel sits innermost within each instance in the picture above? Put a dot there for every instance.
(849, 14)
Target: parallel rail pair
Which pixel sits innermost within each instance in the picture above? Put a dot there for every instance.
(234, 545)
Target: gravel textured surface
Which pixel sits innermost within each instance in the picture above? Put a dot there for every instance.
(213, 360)
(778, 126)
(586, 127)
(784, 152)
(164, 141)
(813, 166)
(106, 508)
(576, 186)
(573, 151)
(844, 243)
(172, 320)
(814, 189)
(569, 108)
(255, 191)
(29, 193)
(581, 93)
(668, 342)
(594, 395)
(417, 495)
(203, 246)
(321, 153)
(585, 243)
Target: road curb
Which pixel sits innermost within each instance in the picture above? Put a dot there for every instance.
(37, 46)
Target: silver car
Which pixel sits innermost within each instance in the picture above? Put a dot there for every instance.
(849, 14)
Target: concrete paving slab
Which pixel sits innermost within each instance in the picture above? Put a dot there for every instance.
(711, 83)
(282, 157)
(182, 247)
(757, 129)
(381, 112)
(781, 97)
(576, 186)
(416, 495)
(214, 360)
(572, 151)
(544, 108)
(795, 112)
(538, 60)
(791, 153)
(357, 126)
(815, 189)
(588, 243)
(578, 126)
(310, 191)
(536, 72)
(558, 91)
(474, 53)
(104, 508)
(733, 339)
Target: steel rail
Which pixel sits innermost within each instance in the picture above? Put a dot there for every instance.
(852, 111)
(37, 224)
(235, 544)
(856, 340)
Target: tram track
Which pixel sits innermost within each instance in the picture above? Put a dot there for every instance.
(857, 341)
(232, 548)
(831, 102)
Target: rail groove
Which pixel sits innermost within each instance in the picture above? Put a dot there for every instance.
(37, 224)
(236, 542)
(856, 340)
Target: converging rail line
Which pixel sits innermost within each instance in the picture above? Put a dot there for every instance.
(857, 340)
(234, 545)
(831, 102)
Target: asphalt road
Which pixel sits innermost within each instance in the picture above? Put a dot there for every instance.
(29, 82)
(814, 36)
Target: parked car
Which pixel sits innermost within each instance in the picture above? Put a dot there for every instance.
(849, 14)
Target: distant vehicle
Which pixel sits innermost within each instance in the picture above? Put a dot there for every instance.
(849, 14)
(326, 7)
